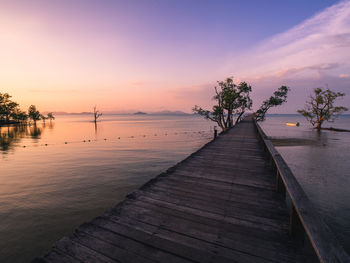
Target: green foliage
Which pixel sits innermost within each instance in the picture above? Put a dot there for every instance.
(278, 98)
(231, 99)
(321, 107)
(33, 113)
(19, 116)
(7, 107)
(11, 113)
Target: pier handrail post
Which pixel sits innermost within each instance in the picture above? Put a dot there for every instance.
(280, 185)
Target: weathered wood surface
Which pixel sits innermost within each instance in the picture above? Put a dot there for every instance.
(218, 205)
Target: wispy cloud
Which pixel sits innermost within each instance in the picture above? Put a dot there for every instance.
(311, 54)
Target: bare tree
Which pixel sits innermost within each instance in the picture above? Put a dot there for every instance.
(97, 114)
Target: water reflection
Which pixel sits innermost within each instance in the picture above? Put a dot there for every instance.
(35, 131)
(11, 136)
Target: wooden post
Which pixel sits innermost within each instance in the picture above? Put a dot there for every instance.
(296, 228)
(265, 148)
(270, 160)
(280, 188)
(215, 132)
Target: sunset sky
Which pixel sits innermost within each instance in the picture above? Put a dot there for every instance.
(155, 55)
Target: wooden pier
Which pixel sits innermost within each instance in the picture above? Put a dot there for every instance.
(234, 200)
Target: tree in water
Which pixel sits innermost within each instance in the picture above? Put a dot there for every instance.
(43, 118)
(278, 98)
(33, 114)
(50, 116)
(231, 100)
(97, 114)
(321, 107)
(7, 107)
(19, 116)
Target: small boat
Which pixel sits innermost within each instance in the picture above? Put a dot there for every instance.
(292, 124)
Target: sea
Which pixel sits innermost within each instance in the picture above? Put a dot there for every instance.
(56, 175)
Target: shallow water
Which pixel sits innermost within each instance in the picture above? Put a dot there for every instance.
(323, 168)
(58, 181)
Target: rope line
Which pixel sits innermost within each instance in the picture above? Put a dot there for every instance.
(204, 133)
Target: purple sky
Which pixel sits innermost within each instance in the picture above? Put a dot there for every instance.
(155, 55)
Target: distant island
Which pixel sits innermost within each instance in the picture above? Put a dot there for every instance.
(167, 112)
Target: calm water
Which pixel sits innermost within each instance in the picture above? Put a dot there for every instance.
(323, 169)
(46, 191)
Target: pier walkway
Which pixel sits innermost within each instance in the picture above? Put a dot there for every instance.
(218, 205)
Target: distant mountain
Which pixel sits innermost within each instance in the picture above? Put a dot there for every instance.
(140, 113)
(167, 112)
(117, 112)
(81, 113)
(67, 113)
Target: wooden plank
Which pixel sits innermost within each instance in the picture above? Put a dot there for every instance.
(230, 204)
(219, 185)
(220, 191)
(219, 216)
(111, 250)
(209, 220)
(81, 252)
(181, 245)
(225, 178)
(56, 256)
(235, 192)
(209, 234)
(132, 245)
(262, 205)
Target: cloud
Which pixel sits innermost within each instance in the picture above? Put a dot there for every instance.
(291, 72)
(321, 43)
(312, 54)
(344, 76)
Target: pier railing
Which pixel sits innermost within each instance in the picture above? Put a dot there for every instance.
(305, 221)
